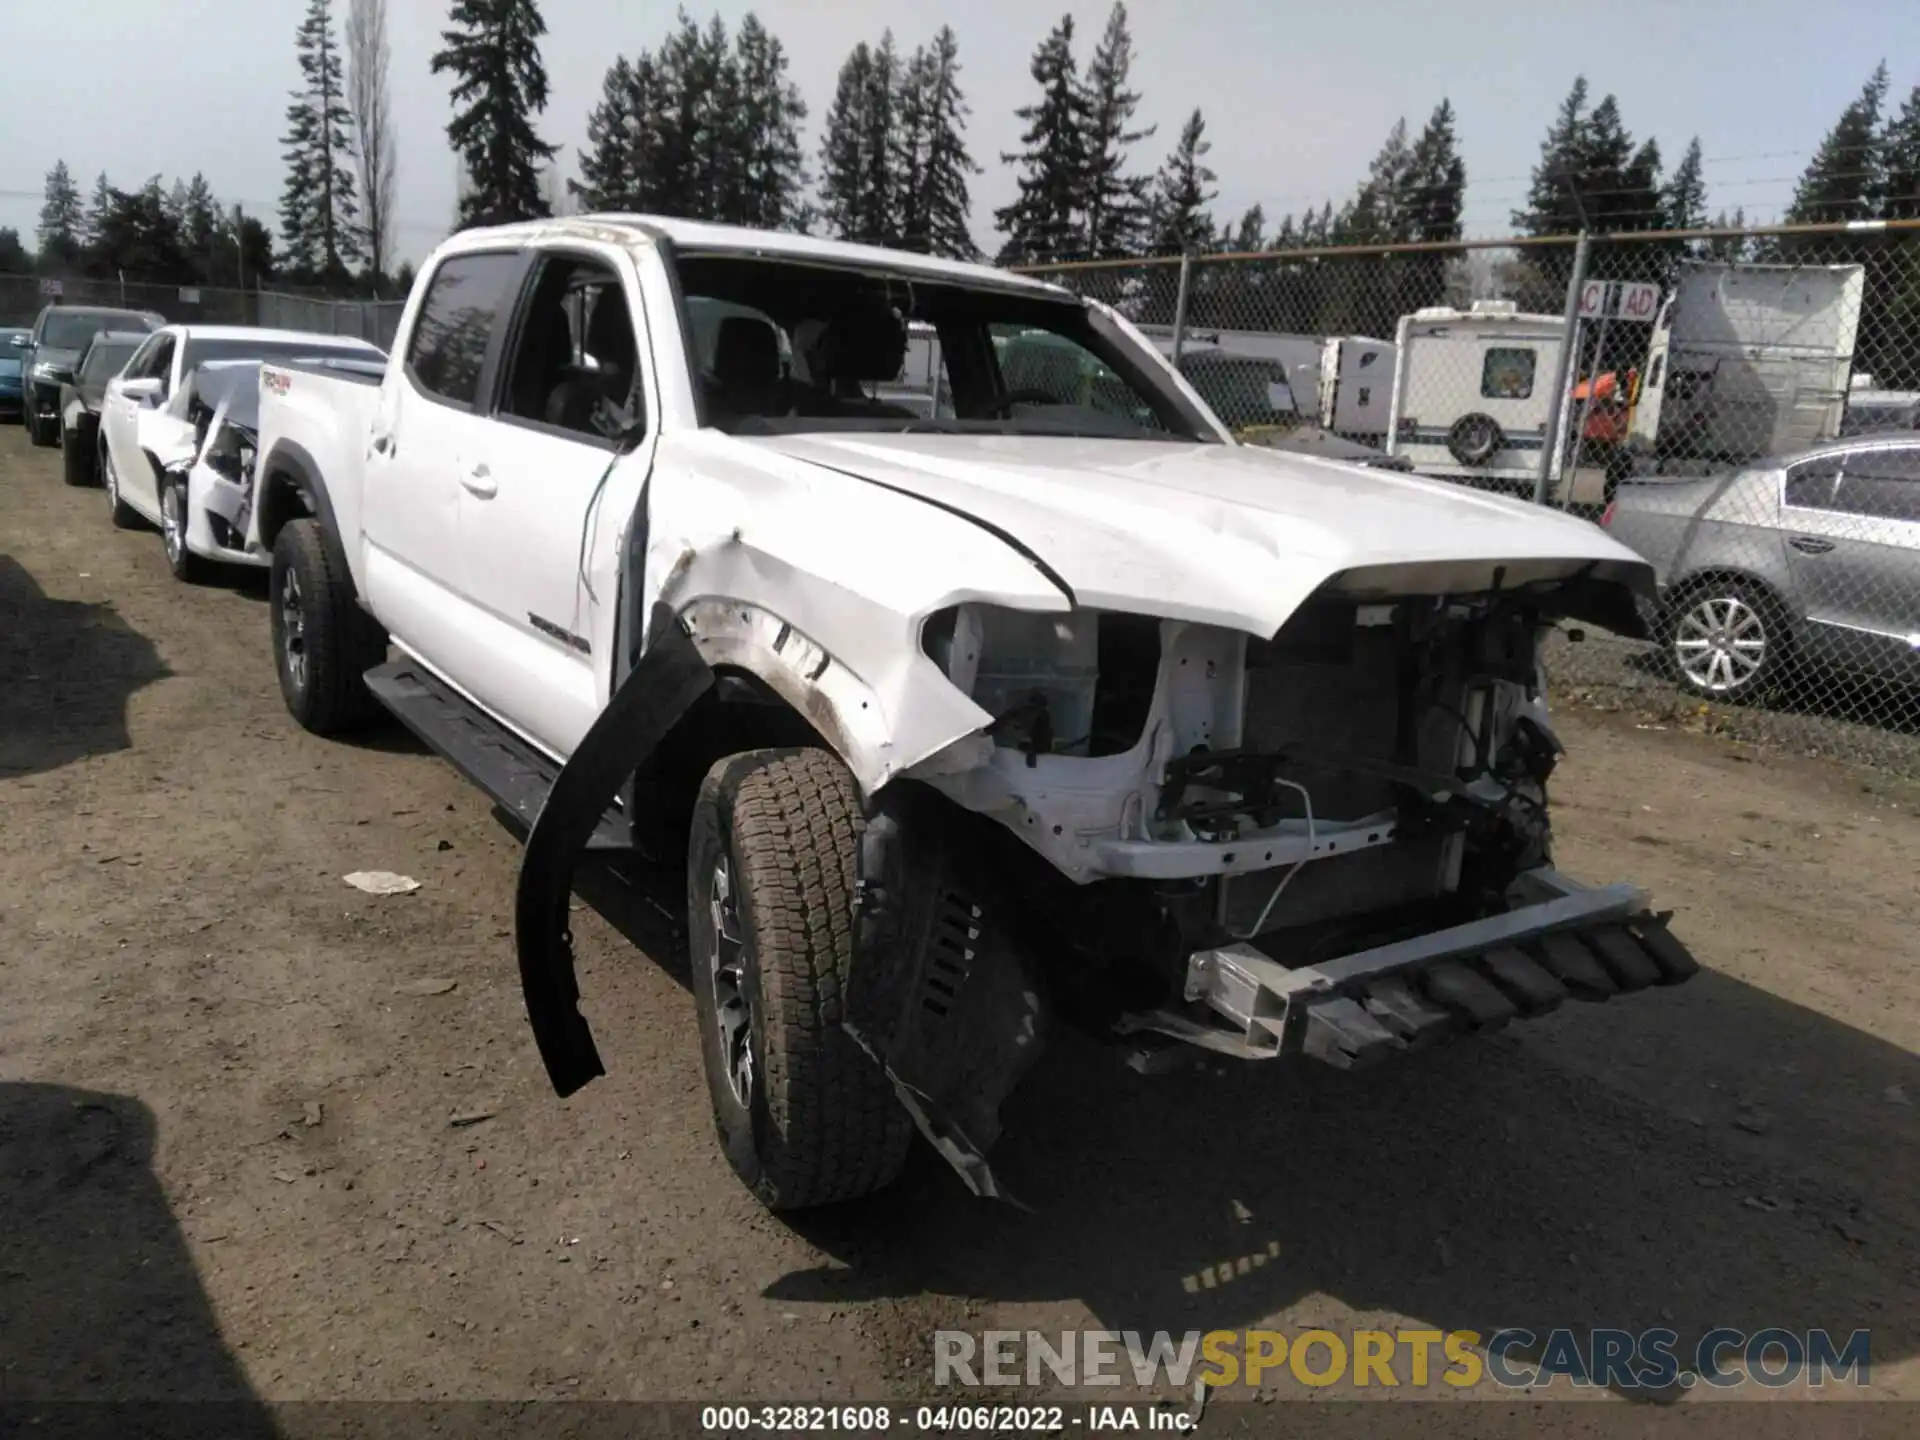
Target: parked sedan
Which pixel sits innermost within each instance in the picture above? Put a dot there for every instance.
(1811, 558)
(145, 424)
(13, 351)
(81, 397)
(59, 335)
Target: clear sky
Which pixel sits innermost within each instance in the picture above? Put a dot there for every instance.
(1297, 94)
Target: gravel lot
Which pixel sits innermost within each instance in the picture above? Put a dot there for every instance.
(229, 1083)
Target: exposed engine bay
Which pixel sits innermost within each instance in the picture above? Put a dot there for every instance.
(1334, 843)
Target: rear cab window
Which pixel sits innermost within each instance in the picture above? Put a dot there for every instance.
(447, 352)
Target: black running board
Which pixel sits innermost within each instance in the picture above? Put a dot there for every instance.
(515, 775)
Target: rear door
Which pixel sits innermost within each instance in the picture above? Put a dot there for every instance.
(431, 424)
(569, 385)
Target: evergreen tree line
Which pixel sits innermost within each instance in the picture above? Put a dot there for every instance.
(155, 233)
(709, 124)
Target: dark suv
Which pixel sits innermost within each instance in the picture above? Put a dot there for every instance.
(60, 333)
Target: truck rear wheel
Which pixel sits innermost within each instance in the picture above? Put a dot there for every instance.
(804, 1115)
(323, 642)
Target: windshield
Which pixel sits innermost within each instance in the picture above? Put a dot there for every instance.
(107, 358)
(783, 347)
(71, 329)
(199, 352)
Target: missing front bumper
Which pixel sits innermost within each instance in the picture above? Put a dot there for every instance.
(1560, 940)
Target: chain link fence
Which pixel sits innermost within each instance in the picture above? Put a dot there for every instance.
(1740, 407)
(23, 296)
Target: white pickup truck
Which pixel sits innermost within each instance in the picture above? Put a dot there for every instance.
(1054, 705)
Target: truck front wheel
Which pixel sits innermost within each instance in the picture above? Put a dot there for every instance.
(323, 642)
(805, 1116)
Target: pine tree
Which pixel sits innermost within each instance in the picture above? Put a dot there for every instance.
(62, 220)
(1435, 183)
(843, 164)
(1843, 181)
(99, 206)
(1114, 202)
(717, 183)
(317, 207)
(199, 220)
(1250, 234)
(493, 50)
(771, 163)
(880, 144)
(1043, 222)
(1683, 203)
(944, 205)
(910, 121)
(1900, 162)
(1552, 207)
(607, 179)
(1428, 210)
(1180, 219)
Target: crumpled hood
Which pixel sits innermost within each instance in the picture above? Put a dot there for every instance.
(1226, 535)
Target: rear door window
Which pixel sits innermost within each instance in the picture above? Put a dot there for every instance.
(462, 308)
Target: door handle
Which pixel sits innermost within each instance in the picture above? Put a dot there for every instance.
(1810, 544)
(479, 481)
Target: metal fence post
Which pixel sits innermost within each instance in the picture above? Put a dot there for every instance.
(1556, 408)
(1180, 304)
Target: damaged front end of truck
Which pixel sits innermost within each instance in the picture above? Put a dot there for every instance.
(1328, 842)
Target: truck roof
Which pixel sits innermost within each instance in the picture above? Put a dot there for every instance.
(701, 235)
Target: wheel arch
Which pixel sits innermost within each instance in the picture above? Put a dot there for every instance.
(291, 488)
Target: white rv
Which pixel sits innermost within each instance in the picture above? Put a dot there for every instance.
(1356, 386)
(1473, 390)
(1748, 360)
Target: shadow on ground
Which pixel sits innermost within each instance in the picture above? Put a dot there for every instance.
(67, 670)
(99, 1299)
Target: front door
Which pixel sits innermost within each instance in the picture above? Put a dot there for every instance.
(125, 417)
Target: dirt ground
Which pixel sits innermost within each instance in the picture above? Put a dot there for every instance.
(239, 1152)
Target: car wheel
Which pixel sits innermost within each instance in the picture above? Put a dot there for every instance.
(185, 565)
(1726, 639)
(805, 1116)
(123, 515)
(76, 459)
(323, 642)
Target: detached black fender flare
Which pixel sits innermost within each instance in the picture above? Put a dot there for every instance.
(670, 676)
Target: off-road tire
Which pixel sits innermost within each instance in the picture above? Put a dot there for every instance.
(821, 1123)
(78, 460)
(340, 641)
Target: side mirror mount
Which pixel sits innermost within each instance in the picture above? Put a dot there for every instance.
(145, 389)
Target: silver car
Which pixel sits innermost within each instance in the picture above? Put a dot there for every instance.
(1811, 558)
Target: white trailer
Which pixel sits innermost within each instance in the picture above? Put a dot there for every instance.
(1473, 393)
(1748, 360)
(1356, 385)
